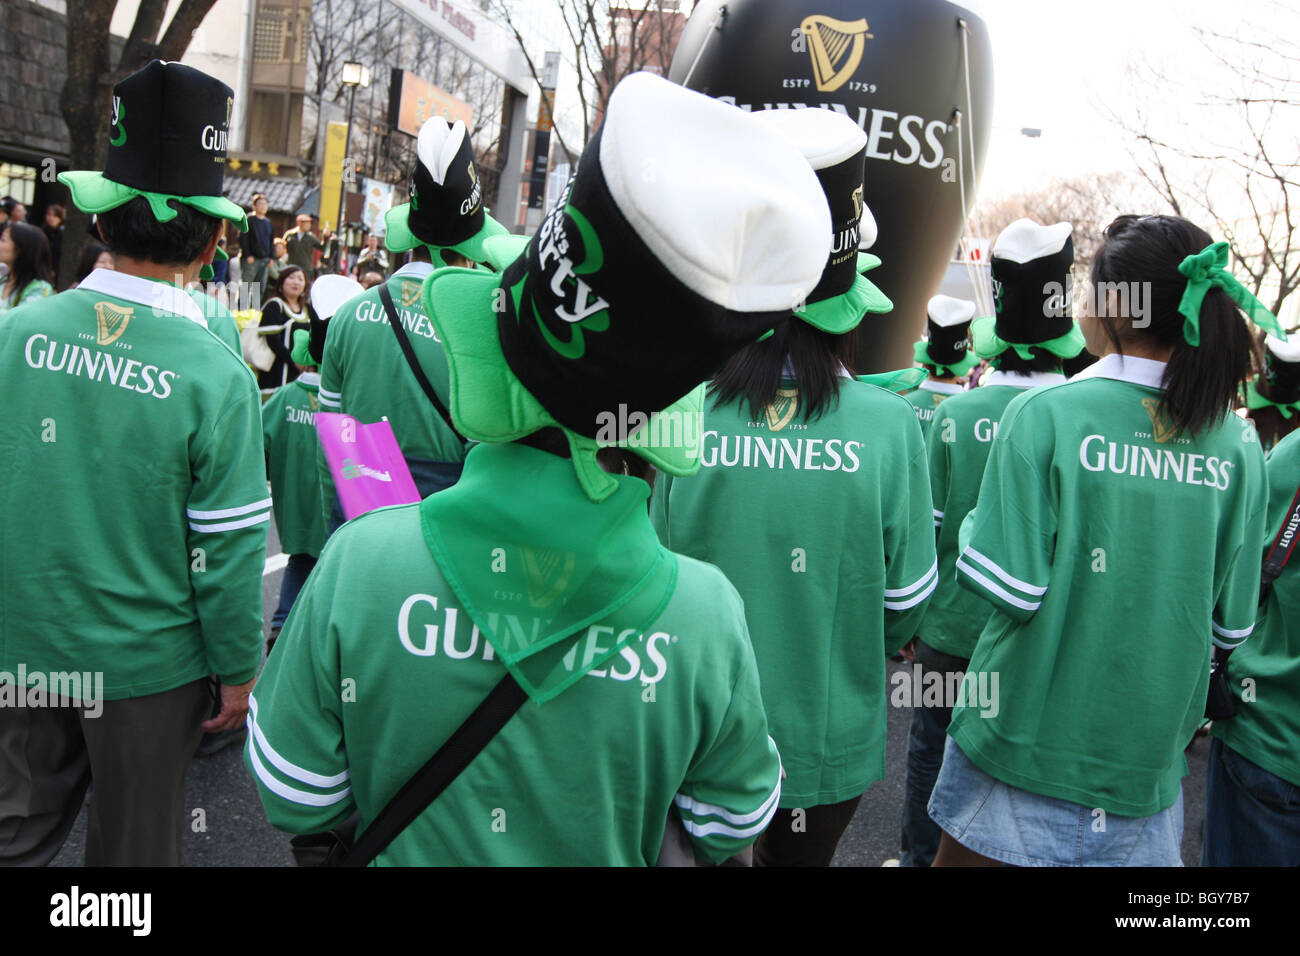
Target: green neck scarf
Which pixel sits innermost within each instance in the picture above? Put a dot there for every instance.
(556, 583)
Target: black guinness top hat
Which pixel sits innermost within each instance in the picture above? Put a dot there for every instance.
(1279, 384)
(1032, 288)
(167, 142)
(445, 210)
(947, 342)
(836, 148)
(686, 233)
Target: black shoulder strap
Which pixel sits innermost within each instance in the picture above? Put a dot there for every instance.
(1283, 545)
(404, 342)
(443, 767)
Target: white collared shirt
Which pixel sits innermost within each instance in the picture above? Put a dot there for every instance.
(1023, 379)
(161, 297)
(1126, 368)
(941, 388)
(415, 270)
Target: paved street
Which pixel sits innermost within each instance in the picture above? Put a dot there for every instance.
(237, 834)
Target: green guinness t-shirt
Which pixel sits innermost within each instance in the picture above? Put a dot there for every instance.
(825, 529)
(289, 431)
(380, 662)
(927, 397)
(1266, 729)
(1113, 551)
(134, 506)
(958, 446)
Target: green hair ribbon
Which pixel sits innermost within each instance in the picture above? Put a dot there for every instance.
(1209, 269)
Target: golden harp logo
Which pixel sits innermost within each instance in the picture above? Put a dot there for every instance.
(410, 294)
(857, 203)
(835, 48)
(313, 402)
(473, 174)
(110, 322)
(1162, 429)
(547, 572)
(782, 409)
(230, 110)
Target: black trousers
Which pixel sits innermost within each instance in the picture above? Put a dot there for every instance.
(804, 836)
(136, 751)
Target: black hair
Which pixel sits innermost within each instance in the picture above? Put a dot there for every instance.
(132, 231)
(279, 285)
(89, 254)
(616, 461)
(754, 374)
(1200, 382)
(1041, 360)
(31, 256)
(421, 253)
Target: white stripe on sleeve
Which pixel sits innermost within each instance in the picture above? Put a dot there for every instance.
(905, 591)
(286, 767)
(992, 588)
(1015, 582)
(228, 512)
(289, 793)
(767, 811)
(231, 525)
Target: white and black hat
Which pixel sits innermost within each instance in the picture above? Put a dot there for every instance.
(947, 342)
(445, 210)
(1031, 292)
(836, 149)
(687, 232)
(1280, 379)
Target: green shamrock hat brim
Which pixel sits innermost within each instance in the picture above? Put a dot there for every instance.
(986, 343)
(844, 312)
(301, 354)
(206, 272)
(901, 381)
(921, 355)
(489, 404)
(399, 238)
(93, 193)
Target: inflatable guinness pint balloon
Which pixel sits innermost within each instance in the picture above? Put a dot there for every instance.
(900, 69)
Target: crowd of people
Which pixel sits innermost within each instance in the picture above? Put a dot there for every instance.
(667, 536)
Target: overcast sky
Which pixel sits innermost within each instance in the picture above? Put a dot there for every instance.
(1058, 65)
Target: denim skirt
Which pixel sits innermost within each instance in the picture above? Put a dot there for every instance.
(1022, 828)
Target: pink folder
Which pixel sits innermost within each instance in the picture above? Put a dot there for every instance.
(366, 462)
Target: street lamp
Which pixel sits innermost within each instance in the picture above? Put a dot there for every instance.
(354, 75)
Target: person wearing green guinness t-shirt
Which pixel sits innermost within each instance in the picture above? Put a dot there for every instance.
(363, 371)
(958, 443)
(1116, 537)
(134, 509)
(540, 563)
(289, 432)
(814, 501)
(1252, 815)
(944, 353)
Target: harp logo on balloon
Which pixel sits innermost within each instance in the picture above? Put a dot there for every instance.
(835, 48)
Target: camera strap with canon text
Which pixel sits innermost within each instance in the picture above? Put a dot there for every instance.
(1283, 545)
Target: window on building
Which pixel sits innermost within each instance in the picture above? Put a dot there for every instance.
(280, 34)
